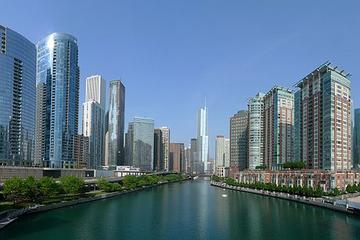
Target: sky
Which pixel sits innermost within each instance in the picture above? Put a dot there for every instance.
(171, 55)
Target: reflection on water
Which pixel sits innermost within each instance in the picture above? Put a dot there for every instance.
(188, 210)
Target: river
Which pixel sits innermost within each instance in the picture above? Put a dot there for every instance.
(186, 210)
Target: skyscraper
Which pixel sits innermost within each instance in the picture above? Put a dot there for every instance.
(140, 140)
(17, 98)
(219, 151)
(238, 142)
(227, 152)
(203, 138)
(116, 124)
(297, 126)
(57, 100)
(256, 131)
(195, 165)
(93, 125)
(177, 157)
(356, 140)
(279, 127)
(326, 119)
(158, 151)
(165, 132)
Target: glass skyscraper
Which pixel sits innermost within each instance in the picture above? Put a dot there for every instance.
(116, 124)
(140, 143)
(57, 100)
(17, 98)
(203, 138)
(356, 145)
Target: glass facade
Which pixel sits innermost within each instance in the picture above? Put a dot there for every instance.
(356, 145)
(57, 101)
(116, 124)
(17, 98)
(140, 143)
(203, 138)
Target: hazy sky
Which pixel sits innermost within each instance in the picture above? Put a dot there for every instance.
(171, 54)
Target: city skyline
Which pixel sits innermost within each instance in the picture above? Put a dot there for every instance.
(235, 67)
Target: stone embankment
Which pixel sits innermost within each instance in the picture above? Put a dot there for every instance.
(319, 202)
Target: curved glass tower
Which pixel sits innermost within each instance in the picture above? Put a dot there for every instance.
(116, 124)
(57, 100)
(17, 98)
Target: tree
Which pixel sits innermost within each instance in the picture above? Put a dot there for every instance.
(48, 187)
(13, 189)
(130, 182)
(72, 184)
(107, 186)
(30, 189)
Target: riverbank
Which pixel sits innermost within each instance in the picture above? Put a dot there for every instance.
(318, 202)
(10, 216)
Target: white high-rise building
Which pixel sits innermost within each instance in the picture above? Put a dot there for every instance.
(203, 138)
(166, 146)
(94, 120)
(96, 89)
(227, 152)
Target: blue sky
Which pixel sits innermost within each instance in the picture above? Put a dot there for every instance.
(171, 54)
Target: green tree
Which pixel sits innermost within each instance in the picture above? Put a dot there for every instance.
(48, 187)
(13, 189)
(30, 189)
(72, 184)
(130, 182)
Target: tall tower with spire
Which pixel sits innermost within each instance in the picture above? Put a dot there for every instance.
(203, 138)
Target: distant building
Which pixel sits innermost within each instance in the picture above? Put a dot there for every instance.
(116, 124)
(140, 140)
(81, 151)
(222, 152)
(188, 164)
(93, 125)
(356, 145)
(17, 98)
(165, 132)
(158, 151)
(222, 171)
(196, 165)
(57, 100)
(326, 135)
(203, 138)
(279, 127)
(177, 157)
(238, 141)
(297, 126)
(256, 131)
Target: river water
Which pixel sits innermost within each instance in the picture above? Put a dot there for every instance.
(187, 210)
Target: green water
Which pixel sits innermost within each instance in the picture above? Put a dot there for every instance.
(188, 210)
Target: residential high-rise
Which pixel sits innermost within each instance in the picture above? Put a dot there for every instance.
(188, 164)
(203, 138)
(57, 100)
(93, 128)
(94, 120)
(116, 124)
(256, 131)
(140, 140)
(278, 127)
(165, 132)
(326, 119)
(176, 157)
(297, 126)
(195, 164)
(17, 98)
(81, 151)
(158, 151)
(356, 145)
(238, 142)
(219, 151)
(222, 152)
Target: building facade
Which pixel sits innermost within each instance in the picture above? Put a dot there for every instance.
(158, 151)
(57, 100)
(140, 139)
(278, 127)
(326, 136)
(17, 98)
(165, 132)
(256, 132)
(81, 151)
(356, 139)
(238, 141)
(203, 138)
(116, 124)
(177, 157)
(222, 152)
